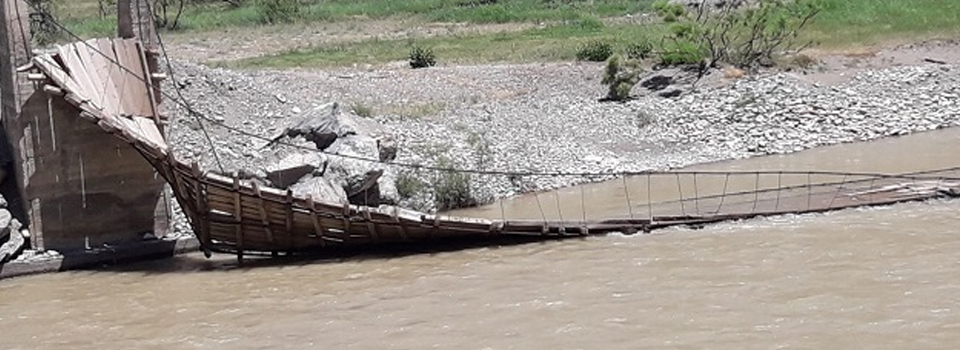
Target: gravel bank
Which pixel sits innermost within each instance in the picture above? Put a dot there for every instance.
(547, 118)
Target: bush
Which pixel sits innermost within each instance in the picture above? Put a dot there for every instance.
(590, 23)
(43, 28)
(167, 13)
(278, 11)
(408, 185)
(742, 36)
(451, 190)
(361, 110)
(669, 12)
(422, 57)
(681, 53)
(595, 51)
(640, 51)
(620, 75)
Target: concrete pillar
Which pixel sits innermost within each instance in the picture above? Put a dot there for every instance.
(15, 159)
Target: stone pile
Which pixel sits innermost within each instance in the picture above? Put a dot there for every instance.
(12, 235)
(540, 117)
(233, 106)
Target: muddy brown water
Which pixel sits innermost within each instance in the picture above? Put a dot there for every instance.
(879, 278)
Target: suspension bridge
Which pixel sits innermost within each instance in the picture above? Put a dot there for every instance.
(237, 216)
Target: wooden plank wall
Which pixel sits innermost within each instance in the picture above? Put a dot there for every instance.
(87, 189)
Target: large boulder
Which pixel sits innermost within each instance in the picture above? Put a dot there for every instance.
(292, 168)
(353, 178)
(13, 241)
(320, 188)
(364, 180)
(322, 125)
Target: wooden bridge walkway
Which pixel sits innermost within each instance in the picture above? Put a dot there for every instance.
(238, 216)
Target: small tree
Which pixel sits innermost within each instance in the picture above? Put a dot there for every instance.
(620, 75)
(595, 51)
(451, 189)
(422, 57)
(278, 11)
(166, 13)
(738, 33)
(43, 27)
(105, 7)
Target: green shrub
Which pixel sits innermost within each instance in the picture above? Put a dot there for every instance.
(595, 51)
(669, 12)
(167, 13)
(744, 37)
(361, 110)
(451, 190)
(645, 119)
(681, 53)
(278, 11)
(409, 185)
(422, 57)
(640, 50)
(43, 28)
(620, 75)
(590, 23)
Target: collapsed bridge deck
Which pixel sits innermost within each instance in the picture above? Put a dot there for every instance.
(239, 216)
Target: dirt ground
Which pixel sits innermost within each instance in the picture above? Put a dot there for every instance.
(239, 43)
(831, 66)
(837, 67)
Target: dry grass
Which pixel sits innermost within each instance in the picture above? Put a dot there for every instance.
(414, 110)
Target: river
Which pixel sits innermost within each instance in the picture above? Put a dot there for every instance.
(877, 278)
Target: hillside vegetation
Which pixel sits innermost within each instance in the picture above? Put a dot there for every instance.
(553, 30)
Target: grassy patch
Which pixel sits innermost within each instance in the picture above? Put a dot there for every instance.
(415, 110)
(361, 109)
(846, 23)
(201, 16)
(843, 23)
(554, 43)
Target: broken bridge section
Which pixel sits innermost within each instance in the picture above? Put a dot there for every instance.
(83, 190)
(112, 93)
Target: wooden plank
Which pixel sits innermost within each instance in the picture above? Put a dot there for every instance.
(371, 225)
(238, 215)
(288, 219)
(57, 74)
(102, 62)
(138, 95)
(201, 207)
(134, 91)
(403, 228)
(112, 76)
(263, 212)
(73, 66)
(150, 132)
(346, 222)
(317, 226)
(120, 79)
(89, 70)
(148, 83)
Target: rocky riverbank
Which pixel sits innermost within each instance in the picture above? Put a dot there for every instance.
(547, 117)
